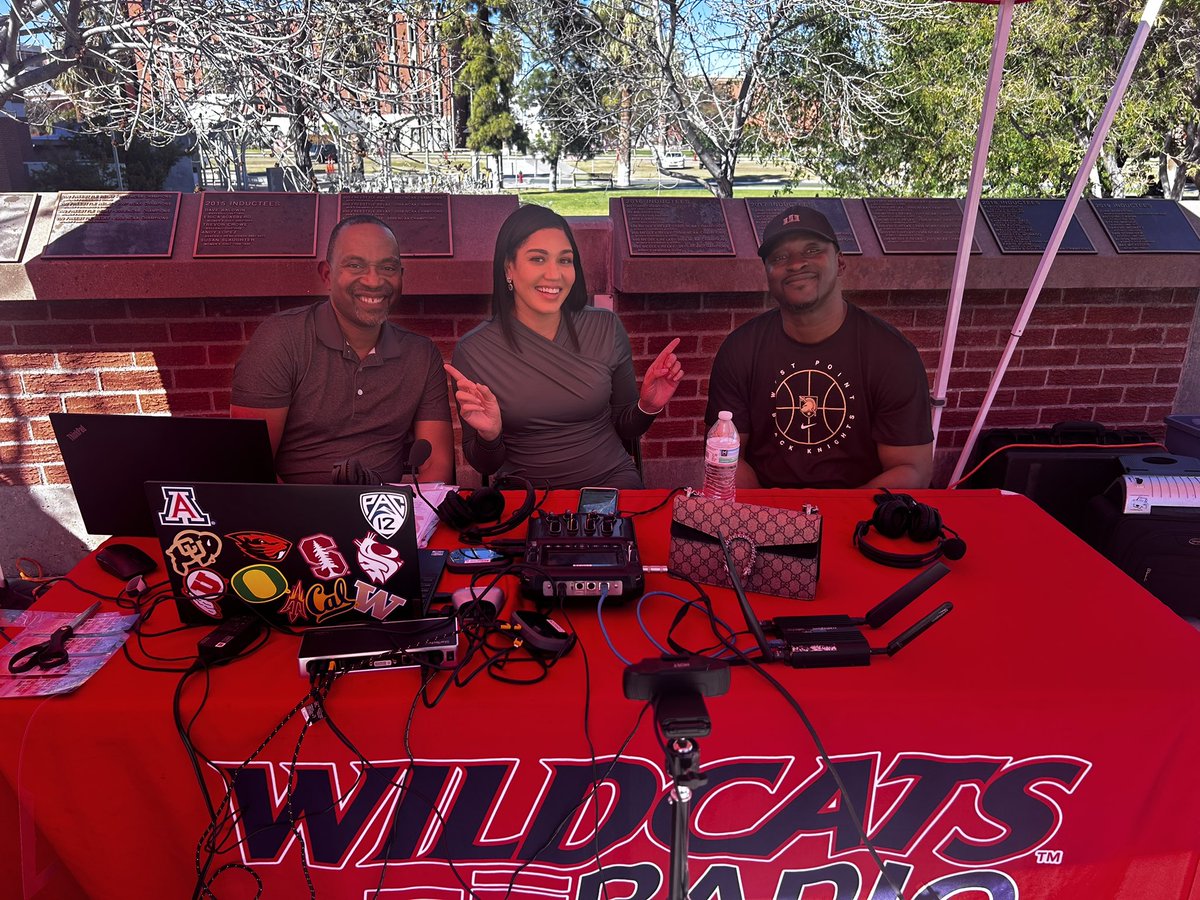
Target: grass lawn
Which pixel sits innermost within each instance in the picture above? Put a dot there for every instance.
(594, 201)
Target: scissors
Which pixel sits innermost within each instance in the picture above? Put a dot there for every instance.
(52, 652)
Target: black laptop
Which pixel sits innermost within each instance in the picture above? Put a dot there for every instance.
(110, 457)
(294, 554)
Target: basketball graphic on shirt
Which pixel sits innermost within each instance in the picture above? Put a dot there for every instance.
(811, 406)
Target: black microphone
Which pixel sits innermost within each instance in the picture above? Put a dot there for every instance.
(418, 454)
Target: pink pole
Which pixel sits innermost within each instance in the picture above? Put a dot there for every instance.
(971, 210)
(1149, 14)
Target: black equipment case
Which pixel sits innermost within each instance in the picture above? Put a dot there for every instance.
(1059, 478)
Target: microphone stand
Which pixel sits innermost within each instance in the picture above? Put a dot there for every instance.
(683, 765)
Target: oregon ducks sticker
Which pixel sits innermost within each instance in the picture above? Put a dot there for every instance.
(259, 584)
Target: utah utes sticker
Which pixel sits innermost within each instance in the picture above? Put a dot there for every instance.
(378, 561)
(205, 588)
(260, 545)
(259, 584)
(385, 512)
(321, 553)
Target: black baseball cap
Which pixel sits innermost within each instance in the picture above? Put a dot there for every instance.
(796, 220)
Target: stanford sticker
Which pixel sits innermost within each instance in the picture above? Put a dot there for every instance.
(180, 508)
(260, 545)
(193, 550)
(385, 512)
(378, 561)
(323, 557)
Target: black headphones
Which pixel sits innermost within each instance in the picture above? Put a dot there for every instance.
(897, 515)
(465, 513)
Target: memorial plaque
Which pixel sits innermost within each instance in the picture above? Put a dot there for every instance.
(763, 209)
(257, 224)
(1146, 226)
(1025, 226)
(421, 222)
(90, 224)
(676, 226)
(16, 211)
(918, 225)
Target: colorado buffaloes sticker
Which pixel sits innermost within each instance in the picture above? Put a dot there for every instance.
(181, 509)
(260, 545)
(205, 588)
(193, 550)
(385, 512)
(378, 561)
(259, 584)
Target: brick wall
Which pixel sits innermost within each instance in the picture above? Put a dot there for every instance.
(1115, 356)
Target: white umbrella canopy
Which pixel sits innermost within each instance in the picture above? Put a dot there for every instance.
(971, 210)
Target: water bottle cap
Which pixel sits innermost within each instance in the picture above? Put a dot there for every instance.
(724, 414)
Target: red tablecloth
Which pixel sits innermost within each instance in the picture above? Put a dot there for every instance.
(1038, 742)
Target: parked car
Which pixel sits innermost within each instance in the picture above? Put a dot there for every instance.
(674, 159)
(1190, 191)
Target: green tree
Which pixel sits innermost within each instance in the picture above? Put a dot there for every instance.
(490, 61)
(1062, 62)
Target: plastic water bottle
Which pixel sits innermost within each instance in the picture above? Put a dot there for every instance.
(721, 449)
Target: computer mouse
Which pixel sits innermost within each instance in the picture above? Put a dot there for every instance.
(124, 561)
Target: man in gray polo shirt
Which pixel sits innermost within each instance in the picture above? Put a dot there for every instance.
(337, 381)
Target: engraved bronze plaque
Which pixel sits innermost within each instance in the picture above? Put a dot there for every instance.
(1146, 226)
(763, 209)
(917, 225)
(1025, 226)
(676, 226)
(108, 224)
(16, 211)
(421, 222)
(257, 224)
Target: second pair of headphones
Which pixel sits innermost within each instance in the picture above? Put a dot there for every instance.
(467, 513)
(898, 515)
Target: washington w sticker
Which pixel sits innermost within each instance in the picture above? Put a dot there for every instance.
(385, 512)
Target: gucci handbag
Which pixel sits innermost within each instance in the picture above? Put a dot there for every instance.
(777, 550)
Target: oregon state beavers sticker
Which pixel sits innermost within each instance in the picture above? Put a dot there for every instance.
(260, 545)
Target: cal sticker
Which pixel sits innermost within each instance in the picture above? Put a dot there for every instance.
(193, 550)
(386, 512)
(378, 561)
(180, 508)
(321, 553)
(259, 584)
(260, 545)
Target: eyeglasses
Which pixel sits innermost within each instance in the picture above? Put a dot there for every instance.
(386, 270)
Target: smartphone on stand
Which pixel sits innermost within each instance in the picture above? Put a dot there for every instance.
(597, 500)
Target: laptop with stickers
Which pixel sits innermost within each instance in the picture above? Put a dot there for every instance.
(294, 554)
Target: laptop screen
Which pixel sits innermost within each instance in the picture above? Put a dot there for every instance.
(110, 457)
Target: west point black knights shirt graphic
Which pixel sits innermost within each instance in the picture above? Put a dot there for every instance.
(815, 413)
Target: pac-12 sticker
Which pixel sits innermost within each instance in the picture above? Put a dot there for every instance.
(193, 550)
(260, 545)
(180, 508)
(321, 553)
(205, 588)
(385, 512)
(259, 584)
(378, 561)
